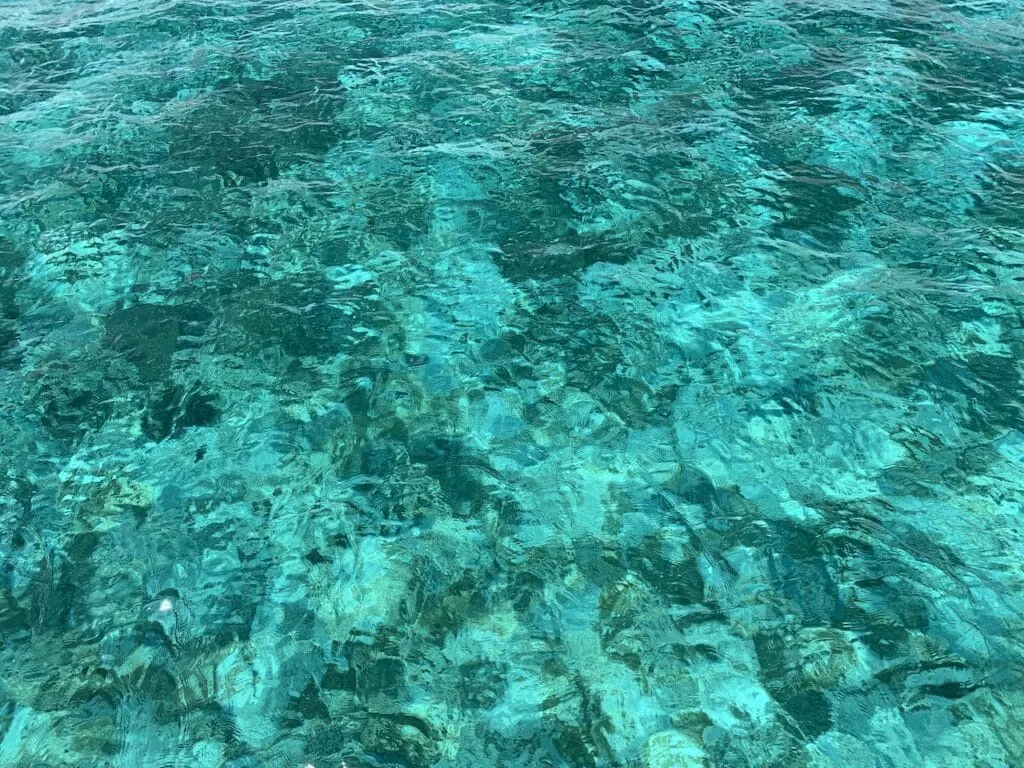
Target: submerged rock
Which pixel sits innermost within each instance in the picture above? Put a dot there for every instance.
(674, 749)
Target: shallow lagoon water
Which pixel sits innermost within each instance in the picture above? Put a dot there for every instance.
(511, 384)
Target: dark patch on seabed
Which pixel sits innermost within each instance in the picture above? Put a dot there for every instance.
(527, 384)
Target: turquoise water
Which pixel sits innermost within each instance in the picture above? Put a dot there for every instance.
(525, 384)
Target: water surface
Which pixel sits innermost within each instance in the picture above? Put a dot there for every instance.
(539, 384)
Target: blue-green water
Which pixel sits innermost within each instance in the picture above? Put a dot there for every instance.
(532, 383)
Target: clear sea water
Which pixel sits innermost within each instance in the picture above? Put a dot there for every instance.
(530, 384)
